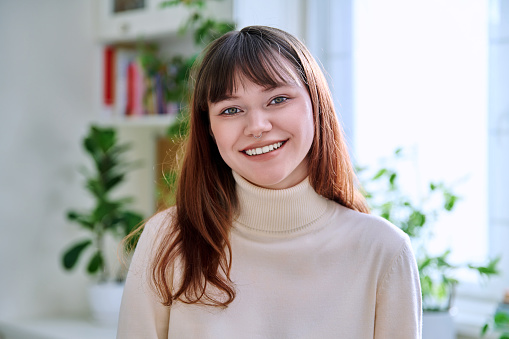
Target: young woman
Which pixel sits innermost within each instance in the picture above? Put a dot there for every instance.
(269, 237)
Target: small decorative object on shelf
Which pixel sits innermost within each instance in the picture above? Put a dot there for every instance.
(138, 83)
(120, 6)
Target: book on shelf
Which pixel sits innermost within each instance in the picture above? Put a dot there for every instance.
(128, 89)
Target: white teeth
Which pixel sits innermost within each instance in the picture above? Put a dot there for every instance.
(264, 149)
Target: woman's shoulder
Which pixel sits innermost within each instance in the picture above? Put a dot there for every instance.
(157, 224)
(161, 219)
(370, 228)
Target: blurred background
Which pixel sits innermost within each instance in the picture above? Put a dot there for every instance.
(427, 78)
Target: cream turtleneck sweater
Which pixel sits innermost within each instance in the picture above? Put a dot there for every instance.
(303, 267)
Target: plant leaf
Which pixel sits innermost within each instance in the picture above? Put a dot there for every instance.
(490, 269)
(82, 219)
(96, 263)
(450, 201)
(484, 330)
(380, 173)
(72, 255)
(501, 318)
(392, 179)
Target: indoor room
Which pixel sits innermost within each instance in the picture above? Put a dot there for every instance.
(98, 116)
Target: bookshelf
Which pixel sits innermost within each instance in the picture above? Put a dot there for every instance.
(155, 121)
(133, 92)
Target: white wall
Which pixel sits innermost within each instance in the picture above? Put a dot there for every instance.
(48, 94)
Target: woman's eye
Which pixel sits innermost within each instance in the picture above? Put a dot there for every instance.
(278, 100)
(230, 111)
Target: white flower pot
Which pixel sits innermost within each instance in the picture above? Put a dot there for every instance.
(104, 300)
(438, 325)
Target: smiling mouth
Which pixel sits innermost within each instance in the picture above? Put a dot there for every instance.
(264, 149)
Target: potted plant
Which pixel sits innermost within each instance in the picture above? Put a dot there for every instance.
(437, 274)
(109, 218)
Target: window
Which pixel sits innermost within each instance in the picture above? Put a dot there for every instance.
(420, 82)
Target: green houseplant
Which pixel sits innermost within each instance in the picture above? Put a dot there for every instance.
(387, 199)
(109, 216)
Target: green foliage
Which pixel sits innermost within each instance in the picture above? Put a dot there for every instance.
(204, 29)
(108, 215)
(499, 323)
(386, 198)
(96, 263)
(167, 192)
(488, 270)
(176, 71)
(71, 256)
(173, 73)
(189, 3)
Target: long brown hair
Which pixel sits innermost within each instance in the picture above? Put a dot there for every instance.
(206, 202)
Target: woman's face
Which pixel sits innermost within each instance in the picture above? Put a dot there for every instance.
(282, 115)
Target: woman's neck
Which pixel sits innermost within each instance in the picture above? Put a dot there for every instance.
(285, 211)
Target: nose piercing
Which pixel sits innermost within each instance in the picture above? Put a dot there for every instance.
(258, 137)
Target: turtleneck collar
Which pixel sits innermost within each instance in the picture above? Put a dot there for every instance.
(285, 211)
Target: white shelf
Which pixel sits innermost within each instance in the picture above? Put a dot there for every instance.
(162, 121)
(150, 22)
(132, 25)
(56, 328)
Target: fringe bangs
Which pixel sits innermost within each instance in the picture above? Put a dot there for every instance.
(250, 57)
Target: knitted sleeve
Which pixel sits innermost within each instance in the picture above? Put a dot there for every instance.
(141, 314)
(398, 313)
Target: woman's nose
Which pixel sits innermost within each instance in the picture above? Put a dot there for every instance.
(258, 122)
